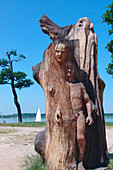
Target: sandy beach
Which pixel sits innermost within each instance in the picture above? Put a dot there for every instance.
(17, 142)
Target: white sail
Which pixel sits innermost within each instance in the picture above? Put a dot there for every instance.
(38, 116)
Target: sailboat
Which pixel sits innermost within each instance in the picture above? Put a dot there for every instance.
(38, 116)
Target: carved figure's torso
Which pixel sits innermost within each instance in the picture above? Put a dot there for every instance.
(76, 97)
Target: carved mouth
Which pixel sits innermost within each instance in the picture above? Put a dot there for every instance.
(59, 58)
(69, 73)
(80, 25)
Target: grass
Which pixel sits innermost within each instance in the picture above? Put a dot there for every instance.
(110, 165)
(33, 162)
(25, 124)
(5, 131)
(109, 123)
(36, 124)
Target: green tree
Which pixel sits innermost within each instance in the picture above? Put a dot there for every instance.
(14, 79)
(108, 18)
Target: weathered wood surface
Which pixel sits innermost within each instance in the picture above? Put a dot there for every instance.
(53, 30)
(61, 127)
(68, 140)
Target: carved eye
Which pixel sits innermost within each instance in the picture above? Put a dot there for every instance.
(81, 21)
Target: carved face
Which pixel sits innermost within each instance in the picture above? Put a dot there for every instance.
(70, 70)
(83, 23)
(60, 52)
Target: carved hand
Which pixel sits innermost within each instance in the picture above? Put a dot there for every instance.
(89, 120)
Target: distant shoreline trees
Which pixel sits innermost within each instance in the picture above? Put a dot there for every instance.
(108, 18)
(14, 79)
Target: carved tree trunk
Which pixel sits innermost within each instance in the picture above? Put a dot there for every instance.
(58, 143)
(59, 149)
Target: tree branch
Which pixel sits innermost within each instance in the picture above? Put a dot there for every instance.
(17, 60)
(53, 30)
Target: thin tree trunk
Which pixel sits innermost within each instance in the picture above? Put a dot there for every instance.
(16, 101)
(14, 91)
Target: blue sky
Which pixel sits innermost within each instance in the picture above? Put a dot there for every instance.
(20, 30)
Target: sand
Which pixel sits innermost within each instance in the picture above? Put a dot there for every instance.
(17, 142)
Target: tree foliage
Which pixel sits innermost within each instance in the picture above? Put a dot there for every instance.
(15, 79)
(6, 74)
(4, 62)
(108, 18)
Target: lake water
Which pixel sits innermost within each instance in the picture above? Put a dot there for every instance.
(15, 120)
(108, 119)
